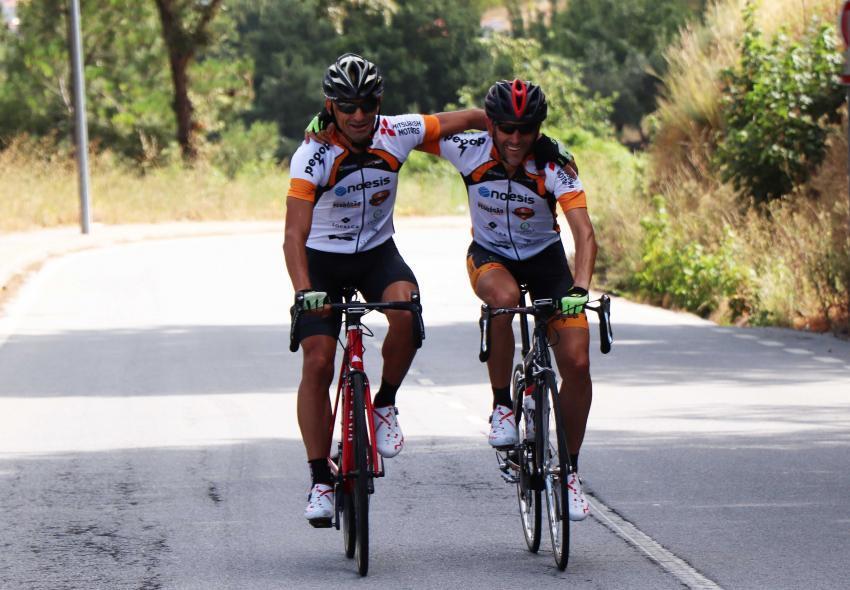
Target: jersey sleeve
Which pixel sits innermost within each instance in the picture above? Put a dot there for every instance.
(308, 169)
(564, 183)
(401, 134)
(462, 150)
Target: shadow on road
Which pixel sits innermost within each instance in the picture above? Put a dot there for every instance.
(236, 359)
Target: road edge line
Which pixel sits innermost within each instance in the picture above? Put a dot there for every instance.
(632, 535)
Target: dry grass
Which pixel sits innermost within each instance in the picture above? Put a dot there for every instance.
(39, 188)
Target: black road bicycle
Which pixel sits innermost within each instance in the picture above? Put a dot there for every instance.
(540, 461)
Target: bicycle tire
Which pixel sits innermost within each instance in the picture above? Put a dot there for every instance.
(361, 483)
(529, 497)
(349, 522)
(557, 462)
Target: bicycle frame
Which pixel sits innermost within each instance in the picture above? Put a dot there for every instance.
(352, 361)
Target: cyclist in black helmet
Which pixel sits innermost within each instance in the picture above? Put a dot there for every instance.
(515, 177)
(339, 234)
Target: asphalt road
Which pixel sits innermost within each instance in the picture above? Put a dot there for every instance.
(148, 440)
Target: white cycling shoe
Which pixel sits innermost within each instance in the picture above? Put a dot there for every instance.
(502, 427)
(578, 506)
(388, 436)
(320, 505)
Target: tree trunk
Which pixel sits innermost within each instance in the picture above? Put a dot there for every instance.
(181, 46)
(182, 105)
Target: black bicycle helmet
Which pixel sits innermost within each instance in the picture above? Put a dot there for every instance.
(516, 102)
(352, 77)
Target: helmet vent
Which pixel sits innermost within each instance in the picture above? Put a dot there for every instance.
(519, 96)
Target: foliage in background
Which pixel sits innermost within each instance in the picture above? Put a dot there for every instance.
(291, 43)
(425, 49)
(619, 44)
(687, 274)
(793, 253)
(572, 107)
(779, 107)
(128, 90)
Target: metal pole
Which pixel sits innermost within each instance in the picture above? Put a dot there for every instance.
(81, 127)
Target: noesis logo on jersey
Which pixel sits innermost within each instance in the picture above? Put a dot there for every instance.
(487, 193)
(353, 188)
(523, 213)
(316, 158)
(379, 198)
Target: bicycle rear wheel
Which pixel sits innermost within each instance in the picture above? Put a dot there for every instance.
(556, 465)
(360, 497)
(528, 495)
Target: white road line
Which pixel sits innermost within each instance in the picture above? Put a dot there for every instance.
(745, 336)
(424, 381)
(797, 351)
(453, 404)
(674, 565)
(828, 359)
(770, 343)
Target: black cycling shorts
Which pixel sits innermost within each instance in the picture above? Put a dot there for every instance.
(547, 274)
(370, 272)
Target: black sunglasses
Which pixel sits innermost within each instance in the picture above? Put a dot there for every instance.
(349, 107)
(523, 128)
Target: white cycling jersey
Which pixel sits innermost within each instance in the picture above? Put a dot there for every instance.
(511, 216)
(354, 193)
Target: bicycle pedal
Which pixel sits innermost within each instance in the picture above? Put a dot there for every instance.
(509, 477)
(321, 523)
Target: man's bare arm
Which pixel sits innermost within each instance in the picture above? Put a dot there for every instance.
(457, 121)
(585, 241)
(299, 218)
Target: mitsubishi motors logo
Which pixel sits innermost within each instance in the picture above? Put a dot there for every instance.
(386, 129)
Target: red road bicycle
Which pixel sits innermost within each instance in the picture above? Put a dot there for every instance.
(356, 463)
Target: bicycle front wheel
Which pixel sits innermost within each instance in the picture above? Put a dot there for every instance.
(361, 484)
(556, 466)
(528, 494)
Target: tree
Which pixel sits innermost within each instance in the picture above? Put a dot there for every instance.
(185, 30)
(572, 106)
(620, 45)
(425, 50)
(127, 90)
(291, 43)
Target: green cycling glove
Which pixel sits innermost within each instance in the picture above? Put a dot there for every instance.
(309, 300)
(320, 122)
(573, 302)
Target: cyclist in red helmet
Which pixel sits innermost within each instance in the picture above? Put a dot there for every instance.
(339, 234)
(515, 177)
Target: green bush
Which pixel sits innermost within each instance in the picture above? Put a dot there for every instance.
(777, 109)
(245, 150)
(687, 274)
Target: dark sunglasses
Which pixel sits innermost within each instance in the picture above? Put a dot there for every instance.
(523, 128)
(349, 107)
